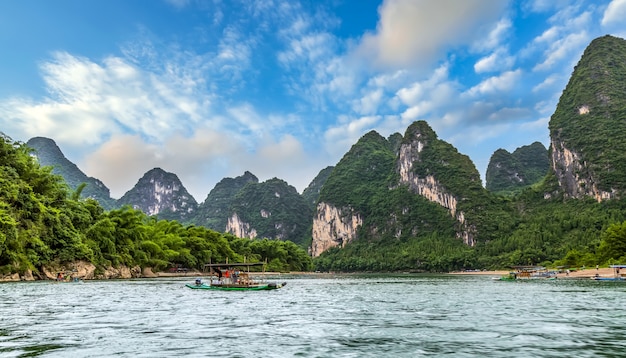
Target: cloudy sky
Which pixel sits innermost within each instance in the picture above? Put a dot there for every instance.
(208, 89)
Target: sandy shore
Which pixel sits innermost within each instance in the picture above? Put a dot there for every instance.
(586, 273)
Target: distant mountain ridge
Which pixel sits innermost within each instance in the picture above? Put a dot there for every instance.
(510, 172)
(413, 192)
(588, 127)
(161, 193)
(49, 154)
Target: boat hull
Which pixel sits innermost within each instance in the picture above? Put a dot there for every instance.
(259, 287)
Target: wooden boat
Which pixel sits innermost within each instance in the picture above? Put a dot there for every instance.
(616, 274)
(528, 273)
(230, 277)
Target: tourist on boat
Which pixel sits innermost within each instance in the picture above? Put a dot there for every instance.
(198, 282)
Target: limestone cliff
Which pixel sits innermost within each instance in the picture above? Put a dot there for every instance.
(239, 228)
(271, 209)
(401, 188)
(588, 127)
(573, 176)
(161, 193)
(422, 157)
(333, 227)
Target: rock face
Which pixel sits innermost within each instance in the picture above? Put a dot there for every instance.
(239, 228)
(161, 193)
(588, 128)
(271, 209)
(427, 186)
(416, 170)
(397, 189)
(333, 227)
(215, 212)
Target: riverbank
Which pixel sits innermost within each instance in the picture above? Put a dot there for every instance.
(583, 273)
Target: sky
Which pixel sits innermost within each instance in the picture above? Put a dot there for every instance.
(210, 89)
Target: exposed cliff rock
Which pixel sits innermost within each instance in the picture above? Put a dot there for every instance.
(397, 189)
(333, 227)
(573, 175)
(588, 128)
(161, 193)
(428, 186)
(272, 209)
(214, 212)
(239, 228)
(423, 159)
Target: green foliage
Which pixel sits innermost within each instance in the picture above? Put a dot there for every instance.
(43, 223)
(48, 154)
(612, 248)
(510, 172)
(360, 174)
(274, 209)
(589, 117)
(312, 192)
(214, 211)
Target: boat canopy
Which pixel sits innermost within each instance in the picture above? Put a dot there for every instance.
(618, 266)
(234, 264)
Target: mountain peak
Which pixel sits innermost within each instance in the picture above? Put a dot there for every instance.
(587, 129)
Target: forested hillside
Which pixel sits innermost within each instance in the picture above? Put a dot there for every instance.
(44, 224)
(49, 154)
(509, 172)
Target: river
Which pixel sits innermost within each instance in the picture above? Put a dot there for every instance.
(316, 316)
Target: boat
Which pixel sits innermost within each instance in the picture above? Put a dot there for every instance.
(616, 274)
(528, 273)
(231, 277)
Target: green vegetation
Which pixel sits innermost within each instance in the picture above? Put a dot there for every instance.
(214, 211)
(49, 154)
(589, 118)
(274, 209)
(405, 231)
(508, 173)
(42, 223)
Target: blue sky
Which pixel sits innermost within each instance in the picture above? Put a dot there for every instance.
(210, 89)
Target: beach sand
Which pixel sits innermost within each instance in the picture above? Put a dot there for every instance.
(586, 273)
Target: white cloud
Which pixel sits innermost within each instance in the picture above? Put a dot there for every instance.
(547, 84)
(368, 104)
(410, 33)
(497, 61)
(495, 37)
(339, 138)
(562, 49)
(615, 15)
(505, 82)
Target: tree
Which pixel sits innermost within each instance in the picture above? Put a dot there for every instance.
(613, 244)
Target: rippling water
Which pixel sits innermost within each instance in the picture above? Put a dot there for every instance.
(338, 316)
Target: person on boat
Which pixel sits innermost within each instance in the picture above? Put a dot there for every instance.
(60, 276)
(226, 275)
(219, 273)
(198, 282)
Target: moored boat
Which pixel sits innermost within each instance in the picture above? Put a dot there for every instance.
(528, 273)
(230, 277)
(617, 276)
